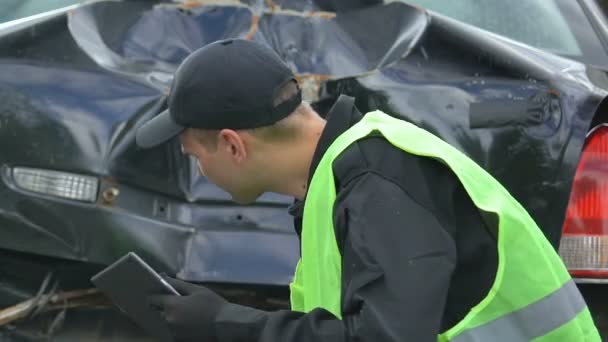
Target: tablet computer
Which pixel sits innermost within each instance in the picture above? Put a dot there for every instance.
(128, 282)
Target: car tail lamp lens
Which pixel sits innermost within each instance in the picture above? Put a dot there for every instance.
(584, 244)
(59, 184)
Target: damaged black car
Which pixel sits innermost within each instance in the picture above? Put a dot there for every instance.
(521, 89)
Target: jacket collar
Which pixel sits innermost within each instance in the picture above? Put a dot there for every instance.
(342, 115)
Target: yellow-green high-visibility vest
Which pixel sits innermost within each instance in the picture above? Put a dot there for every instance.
(533, 296)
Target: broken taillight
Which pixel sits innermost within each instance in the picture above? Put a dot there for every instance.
(584, 243)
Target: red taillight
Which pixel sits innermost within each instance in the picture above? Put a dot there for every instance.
(584, 244)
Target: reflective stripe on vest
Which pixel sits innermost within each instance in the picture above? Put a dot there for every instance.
(533, 296)
(530, 322)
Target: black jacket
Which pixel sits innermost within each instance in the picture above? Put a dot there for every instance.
(416, 254)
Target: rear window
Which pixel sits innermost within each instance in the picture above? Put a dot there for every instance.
(17, 9)
(556, 26)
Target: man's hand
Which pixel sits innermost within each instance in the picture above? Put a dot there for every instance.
(191, 316)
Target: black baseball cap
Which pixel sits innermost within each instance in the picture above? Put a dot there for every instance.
(226, 84)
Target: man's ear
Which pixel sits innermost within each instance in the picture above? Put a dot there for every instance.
(233, 143)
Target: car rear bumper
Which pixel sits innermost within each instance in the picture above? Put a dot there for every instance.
(596, 296)
(203, 242)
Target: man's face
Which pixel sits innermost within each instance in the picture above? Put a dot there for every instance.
(227, 166)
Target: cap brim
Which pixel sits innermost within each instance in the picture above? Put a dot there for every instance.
(157, 131)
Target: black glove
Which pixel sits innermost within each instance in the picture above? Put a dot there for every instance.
(197, 313)
(189, 316)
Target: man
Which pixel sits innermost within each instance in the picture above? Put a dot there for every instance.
(403, 238)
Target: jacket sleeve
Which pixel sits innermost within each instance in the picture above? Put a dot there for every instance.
(396, 269)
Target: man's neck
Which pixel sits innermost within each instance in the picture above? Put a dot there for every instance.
(297, 161)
